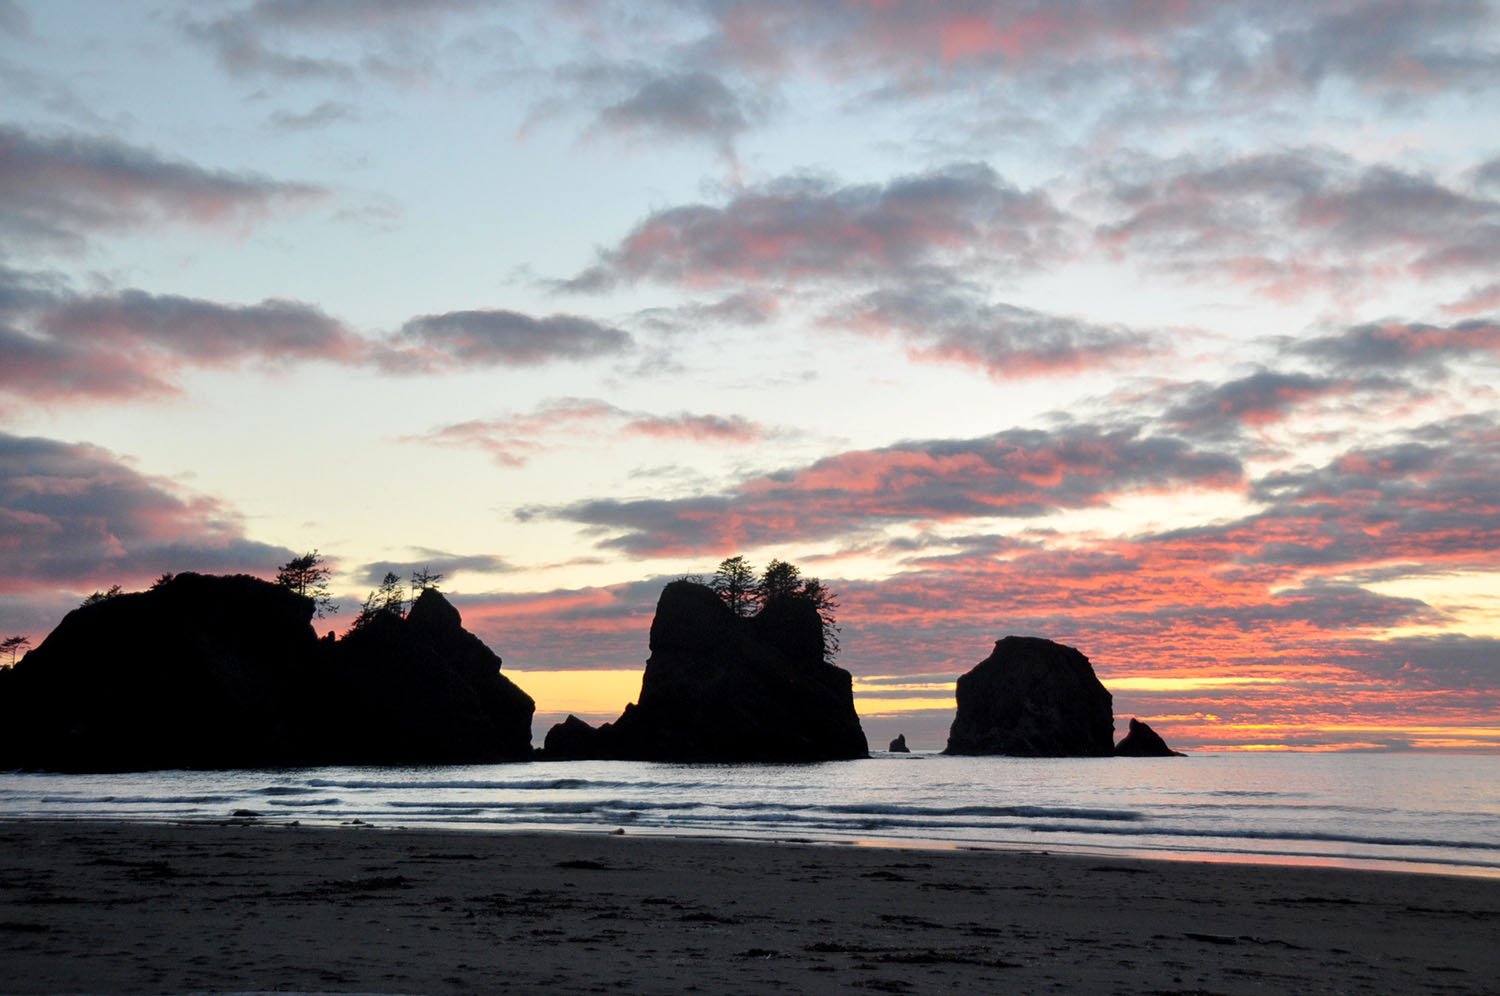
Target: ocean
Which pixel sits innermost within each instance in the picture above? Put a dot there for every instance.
(1407, 811)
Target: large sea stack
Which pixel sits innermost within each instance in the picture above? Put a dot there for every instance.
(1033, 698)
(225, 672)
(719, 688)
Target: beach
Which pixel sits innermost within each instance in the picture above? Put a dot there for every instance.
(249, 906)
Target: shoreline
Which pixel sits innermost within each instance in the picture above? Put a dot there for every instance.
(1123, 852)
(110, 906)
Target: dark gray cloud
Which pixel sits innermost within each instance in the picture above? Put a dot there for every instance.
(288, 40)
(75, 516)
(798, 228)
(950, 323)
(1257, 399)
(435, 562)
(56, 346)
(742, 309)
(58, 191)
(1402, 46)
(679, 105)
(489, 337)
(1389, 48)
(1403, 347)
(1487, 176)
(1017, 473)
(14, 20)
(325, 113)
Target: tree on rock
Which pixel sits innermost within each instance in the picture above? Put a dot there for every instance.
(114, 591)
(422, 579)
(735, 583)
(308, 575)
(12, 646)
(824, 600)
(779, 580)
(389, 599)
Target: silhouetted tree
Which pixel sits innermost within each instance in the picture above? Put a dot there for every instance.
(737, 585)
(384, 600)
(308, 575)
(115, 591)
(423, 579)
(826, 603)
(734, 582)
(779, 580)
(162, 579)
(12, 646)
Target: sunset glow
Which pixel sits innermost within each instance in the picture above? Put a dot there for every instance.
(1167, 331)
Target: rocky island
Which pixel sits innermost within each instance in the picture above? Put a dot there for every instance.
(719, 686)
(1035, 698)
(204, 671)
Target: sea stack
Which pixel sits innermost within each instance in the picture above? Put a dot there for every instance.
(1033, 698)
(898, 746)
(1143, 741)
(422, 689)
(204, 671)
(722, 688)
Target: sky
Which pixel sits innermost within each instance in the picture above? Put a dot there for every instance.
(1165, 329)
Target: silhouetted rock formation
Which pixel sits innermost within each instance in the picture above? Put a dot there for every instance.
(1143, 741)
(898, 746)
(1032, 698)
(211, 672)
(571, 740)
(721, 688)
(425, 689)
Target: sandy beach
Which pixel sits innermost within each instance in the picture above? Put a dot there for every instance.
(131, 908)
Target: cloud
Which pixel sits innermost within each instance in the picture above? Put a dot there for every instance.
(1484, 299)
(741, 309)
(56, 192)
(1433, 495)
(1017, 474)
(488, 337)
(297, 40)
(733, 429)
(74, 516)
(56, 345)
(950, 324)
(1404, 347)
(14, 20)
(1296, 222)
(1398, 45)
(692, 104)
(1392, 48)
(1262, 398)
(808, 228)
(435, 562)
(325, 113)
(61, 347)
(514, 440)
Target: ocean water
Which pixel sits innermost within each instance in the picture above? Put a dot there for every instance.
(1415, 812)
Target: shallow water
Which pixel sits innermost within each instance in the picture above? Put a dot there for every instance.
(1423, 812)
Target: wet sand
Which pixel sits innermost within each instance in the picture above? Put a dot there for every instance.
(132, 908)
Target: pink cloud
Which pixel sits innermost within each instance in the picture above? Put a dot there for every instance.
(514, 440)
(75, 517)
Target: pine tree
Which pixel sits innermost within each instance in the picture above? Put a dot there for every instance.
(735, 583)
(308, 575)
